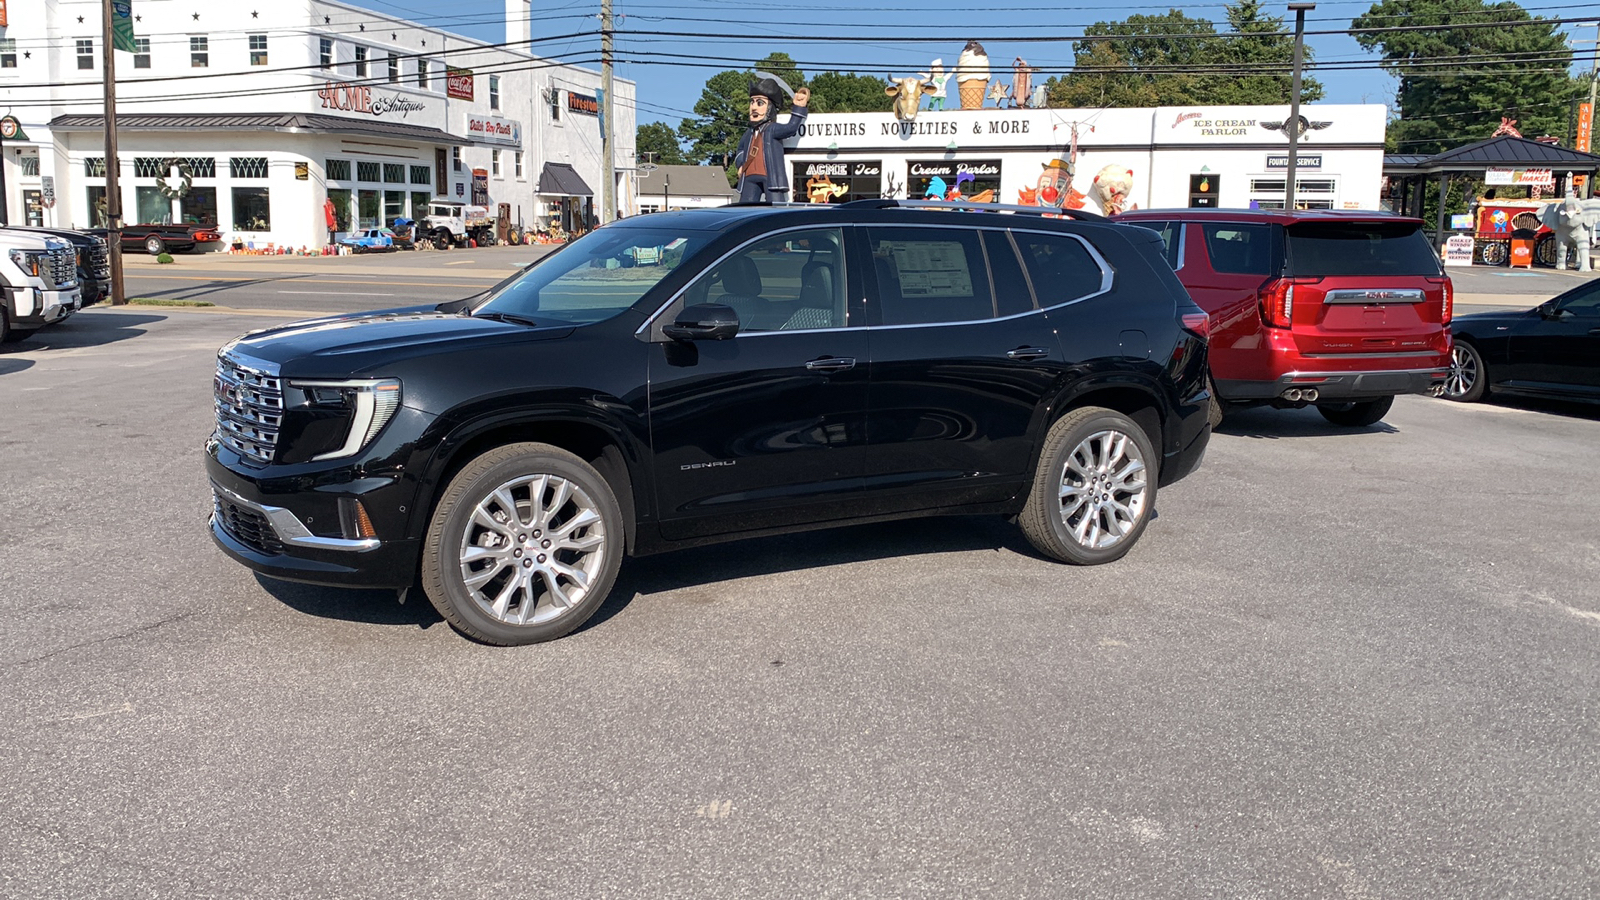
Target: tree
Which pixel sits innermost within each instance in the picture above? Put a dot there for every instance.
(848, 92)
(1175, 60)
(1519, 71)
(658, 143)
(783, 66)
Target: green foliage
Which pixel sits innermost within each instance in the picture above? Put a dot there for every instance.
(657, 143)
(1446, 106)
(1148, 48)
(783, 66)
(836, 92)
(164, 257)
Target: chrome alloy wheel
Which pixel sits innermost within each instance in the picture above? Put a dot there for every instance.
(1103, 489)
(1463, 372)
(532, 548)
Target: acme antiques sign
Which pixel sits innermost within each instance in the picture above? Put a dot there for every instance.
(583, 103)
(361, 99)
(458, 83)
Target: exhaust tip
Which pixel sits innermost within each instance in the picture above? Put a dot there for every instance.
(1292, 395)
(1309, 394)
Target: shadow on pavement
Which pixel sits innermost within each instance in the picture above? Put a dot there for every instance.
(1266, 423)
(1571, 409)
(86, 329)
(10, 366)
(372, 607)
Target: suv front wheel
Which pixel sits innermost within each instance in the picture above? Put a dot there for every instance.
(524, 545)
(1094, 489)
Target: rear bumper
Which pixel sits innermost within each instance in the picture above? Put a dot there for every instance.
(1371, 384)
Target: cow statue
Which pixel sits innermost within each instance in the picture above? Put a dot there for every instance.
(907, 94)
(1576, 224)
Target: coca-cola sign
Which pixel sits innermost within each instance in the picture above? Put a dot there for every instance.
(458, 83)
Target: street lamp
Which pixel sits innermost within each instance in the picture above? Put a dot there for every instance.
(1293, 125)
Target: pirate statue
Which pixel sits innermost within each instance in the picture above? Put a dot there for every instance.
(762, 177)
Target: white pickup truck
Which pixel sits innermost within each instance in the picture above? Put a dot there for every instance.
(38, 283)
(451, 223)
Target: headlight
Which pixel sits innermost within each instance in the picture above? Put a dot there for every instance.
(365, 404)
(27, 261)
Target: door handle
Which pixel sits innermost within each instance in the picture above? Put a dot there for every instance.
(1594, 332)
(1026, 353)
(831, 364)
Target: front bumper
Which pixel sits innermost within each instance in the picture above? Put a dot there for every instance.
(35, 308)
(1368, 385)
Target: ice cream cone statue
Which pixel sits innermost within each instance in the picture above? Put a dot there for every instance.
(972, 75)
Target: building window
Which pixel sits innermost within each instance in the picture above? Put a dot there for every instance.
(325, 53)
(96, 195)
(494, 163)
(94, 167)
(394, 173)
(30, 166)
(554, 93)
(149, 167)
(151, 207)
(367, 171)
(86, 54)
(252, 209)
(422, 73)
(455, 158)
(199, 52)
(361, 61)
(394, 69)
(421, 175)
(202, 166)
(494, 91)
(337, 169)
(247, 167)
(517, 161)
(258, 49)
(8, 53)
(141, 53)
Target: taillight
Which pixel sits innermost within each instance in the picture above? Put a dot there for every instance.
(1197, 323)
(1277, 302)
(1448, 310)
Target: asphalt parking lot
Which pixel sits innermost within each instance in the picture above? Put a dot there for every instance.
(1339, 664)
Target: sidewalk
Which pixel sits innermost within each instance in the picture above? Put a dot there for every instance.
(499, 261)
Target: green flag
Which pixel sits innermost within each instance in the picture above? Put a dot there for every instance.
(122, 25)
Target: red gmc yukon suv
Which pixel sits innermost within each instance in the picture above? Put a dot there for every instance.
(1340, 310)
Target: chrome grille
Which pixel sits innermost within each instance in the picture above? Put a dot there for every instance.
(99, 262)
(249, 403)
(246, 525)
(60, 269)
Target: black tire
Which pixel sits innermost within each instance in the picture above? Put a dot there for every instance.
(10, 334)
(1468, 380)
(1356, 415)
(1219, 407)
(441, 239)
(154, 245)
(520, 574)
(1073, 457)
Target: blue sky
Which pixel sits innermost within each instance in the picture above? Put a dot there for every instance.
(807, 33)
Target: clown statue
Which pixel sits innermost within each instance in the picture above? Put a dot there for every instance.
(762, 176)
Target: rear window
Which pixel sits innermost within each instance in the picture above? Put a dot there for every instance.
(1360, 248)
(1239, 249)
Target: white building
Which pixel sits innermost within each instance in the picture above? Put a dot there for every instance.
(260, 111)
(1179, 156)
(683, 187)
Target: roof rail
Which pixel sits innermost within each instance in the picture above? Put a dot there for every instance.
(791, 204)
(1012, 208)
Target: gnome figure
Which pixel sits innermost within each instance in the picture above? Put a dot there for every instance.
(763, 177)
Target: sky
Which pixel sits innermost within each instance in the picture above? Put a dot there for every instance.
(909, 36)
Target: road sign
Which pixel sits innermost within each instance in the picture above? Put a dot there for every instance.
(47, 191)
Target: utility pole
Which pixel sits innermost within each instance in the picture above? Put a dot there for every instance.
(119, 296)
(1293, 125)
(1594, 79)
(608, 176)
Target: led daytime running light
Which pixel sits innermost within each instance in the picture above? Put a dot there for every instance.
(374, 405)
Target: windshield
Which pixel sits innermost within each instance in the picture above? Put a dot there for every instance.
(1360, 248)
(595, 277)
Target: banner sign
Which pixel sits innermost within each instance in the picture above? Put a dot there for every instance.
(582, 103)
(122, 25)
(480, 187)
(458, 83)
(2, 13)
(1540, 177)
(1302, 161)
(1585, 127)
(495, 130)
(1458, 250)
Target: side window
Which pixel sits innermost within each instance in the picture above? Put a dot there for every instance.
(1171, 237)
(1238, 249)
(1011, 294)
(792, 281)
(1584, 302)
(1061, 268)
(930, 275)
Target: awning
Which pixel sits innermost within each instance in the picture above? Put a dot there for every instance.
(285, 122)
(562, 180)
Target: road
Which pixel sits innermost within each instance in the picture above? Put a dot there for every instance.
(1340, 664)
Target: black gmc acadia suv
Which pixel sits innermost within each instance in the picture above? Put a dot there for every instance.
(690, 377)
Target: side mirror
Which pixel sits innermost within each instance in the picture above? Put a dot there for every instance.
(1547, 310)
(704, 322)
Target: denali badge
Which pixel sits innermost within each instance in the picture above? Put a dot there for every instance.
(707, 465)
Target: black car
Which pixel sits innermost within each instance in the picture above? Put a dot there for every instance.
(158, 239)
(94, 259)
(1552, 350)
(708, 375)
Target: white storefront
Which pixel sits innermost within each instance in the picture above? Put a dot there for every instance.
(1178, 156)
(251, 116)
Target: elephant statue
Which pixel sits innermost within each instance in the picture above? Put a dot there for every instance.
(1576, 224)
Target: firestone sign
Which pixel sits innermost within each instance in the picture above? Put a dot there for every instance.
(494, 130)
(583, 103)
(362, 99)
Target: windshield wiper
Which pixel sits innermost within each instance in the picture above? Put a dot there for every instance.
(507, 317)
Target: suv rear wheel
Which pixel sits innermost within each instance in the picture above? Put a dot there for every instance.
(524, 545)
(1356, 415)
(1094, 489)
(1467, 380)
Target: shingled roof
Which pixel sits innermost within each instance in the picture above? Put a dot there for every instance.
(1505, 152)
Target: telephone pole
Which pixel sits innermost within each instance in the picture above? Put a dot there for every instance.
(608, 175)
(1293, 125)
(119, 296)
